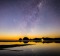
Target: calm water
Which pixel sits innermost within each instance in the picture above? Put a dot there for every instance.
(29, 49)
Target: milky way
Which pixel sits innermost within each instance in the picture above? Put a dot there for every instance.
(29, 17)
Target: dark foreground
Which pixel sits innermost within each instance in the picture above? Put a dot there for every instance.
(30, 49)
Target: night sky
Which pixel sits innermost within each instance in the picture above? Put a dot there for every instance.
(30, 18)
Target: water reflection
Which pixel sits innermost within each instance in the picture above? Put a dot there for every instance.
(45, 41)
(2, 47)
(26, 41)
(30, 48)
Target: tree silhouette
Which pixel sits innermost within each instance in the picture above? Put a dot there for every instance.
(25, 38)
(37, 39)
(20, 39)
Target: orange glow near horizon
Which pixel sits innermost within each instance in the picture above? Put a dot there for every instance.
(16, 37)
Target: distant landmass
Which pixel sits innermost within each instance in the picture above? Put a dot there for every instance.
(43, 40)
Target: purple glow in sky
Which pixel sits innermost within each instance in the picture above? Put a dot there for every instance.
(32, 17)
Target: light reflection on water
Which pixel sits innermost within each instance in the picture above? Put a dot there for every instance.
(9, 43)
(33, 49)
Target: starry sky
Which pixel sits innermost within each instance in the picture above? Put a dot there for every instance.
(29, 18)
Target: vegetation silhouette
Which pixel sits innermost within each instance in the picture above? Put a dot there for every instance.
(45, 40)
(20, 39)
(25, 38)
(56, 40)
(50, 40)
(37, 40)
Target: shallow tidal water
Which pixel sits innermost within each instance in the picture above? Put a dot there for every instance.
(29, 49)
